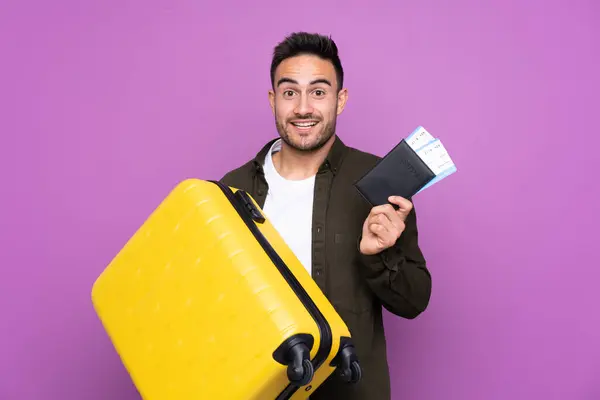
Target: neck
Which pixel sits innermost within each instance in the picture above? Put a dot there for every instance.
(295, 164)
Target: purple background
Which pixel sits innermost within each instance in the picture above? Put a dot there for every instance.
(106, 105)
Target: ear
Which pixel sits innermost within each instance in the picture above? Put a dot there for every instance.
(272, 100)
(342, 99)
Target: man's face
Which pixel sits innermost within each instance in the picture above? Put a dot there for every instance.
(306, 102)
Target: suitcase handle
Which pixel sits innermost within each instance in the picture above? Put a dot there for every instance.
(249, 206)
(346, 361)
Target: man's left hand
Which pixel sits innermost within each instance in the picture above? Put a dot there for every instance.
(384, 225)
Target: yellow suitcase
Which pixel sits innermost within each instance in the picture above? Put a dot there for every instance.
(206, 301)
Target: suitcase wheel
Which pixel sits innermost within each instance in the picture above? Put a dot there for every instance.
(352, 374)
(295, 354)
(347, 362)
(301, 375)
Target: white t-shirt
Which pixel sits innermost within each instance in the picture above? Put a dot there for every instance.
(289, 207)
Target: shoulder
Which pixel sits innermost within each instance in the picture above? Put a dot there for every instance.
(358, 162)
(362, 156)
(240, 175)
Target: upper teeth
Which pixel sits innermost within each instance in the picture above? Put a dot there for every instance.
(305, 124)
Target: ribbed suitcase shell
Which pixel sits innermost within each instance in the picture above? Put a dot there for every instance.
(196, 307)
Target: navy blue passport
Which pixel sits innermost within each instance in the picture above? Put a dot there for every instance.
(401, 172)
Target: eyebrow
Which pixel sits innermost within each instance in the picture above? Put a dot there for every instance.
(314, 82)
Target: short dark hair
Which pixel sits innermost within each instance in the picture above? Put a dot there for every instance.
(299, 43)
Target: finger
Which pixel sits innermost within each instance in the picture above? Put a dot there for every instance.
(401, 202)
(385, 209)
(389, 229)
(378, 230)
(383, 235)
(387, 212)
(404, 205)
(394, 226)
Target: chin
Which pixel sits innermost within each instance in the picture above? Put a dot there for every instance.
(306, 139)
(306, 142)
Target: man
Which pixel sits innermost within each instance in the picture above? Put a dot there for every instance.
(362, 258)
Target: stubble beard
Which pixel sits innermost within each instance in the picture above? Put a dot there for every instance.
(327, 131)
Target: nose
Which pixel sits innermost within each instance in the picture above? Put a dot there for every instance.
(303, 106)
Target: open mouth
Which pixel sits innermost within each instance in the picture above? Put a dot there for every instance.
(304, 124)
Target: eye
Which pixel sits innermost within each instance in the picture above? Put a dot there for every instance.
(320, 92)
(288, 93)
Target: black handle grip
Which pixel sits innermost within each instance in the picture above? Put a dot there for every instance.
(249, 206)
